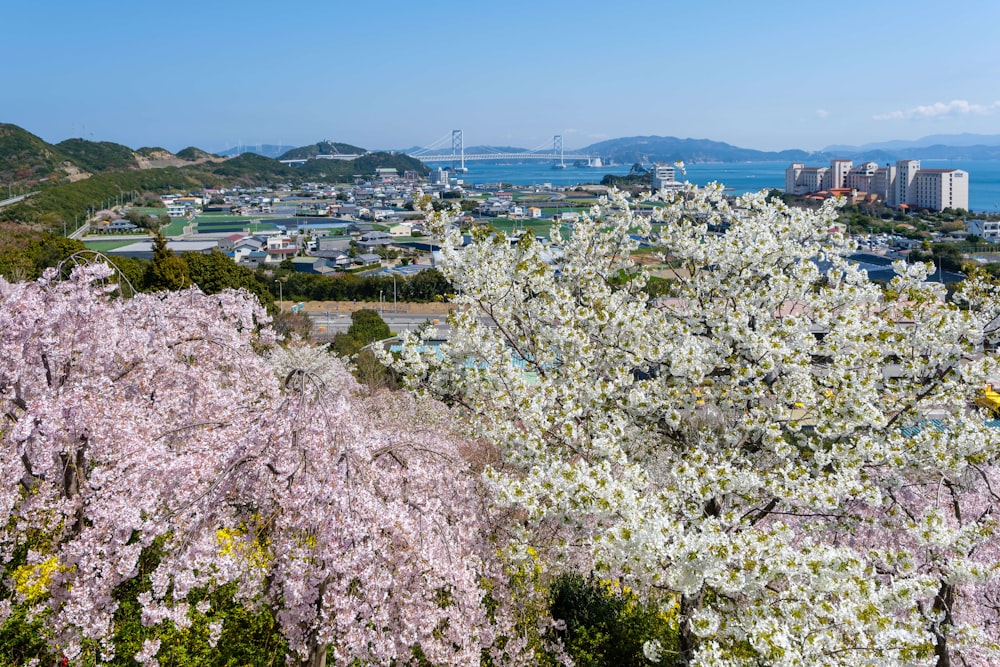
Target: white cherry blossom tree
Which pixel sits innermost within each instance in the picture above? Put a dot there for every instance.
(789, 449)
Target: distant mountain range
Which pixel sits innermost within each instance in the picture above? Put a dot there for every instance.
(648, 149)
(951, 140)
(27, 159)
(267, 150)
(282, 152)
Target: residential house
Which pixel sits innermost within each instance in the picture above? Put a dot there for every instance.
(989, 230)
(115, 227)
(227, 244)
(374, 239)
(280, 248)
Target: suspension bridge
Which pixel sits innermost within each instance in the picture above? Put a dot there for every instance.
(458, 157)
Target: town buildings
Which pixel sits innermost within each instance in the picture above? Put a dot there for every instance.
(988, 230)
(663, 177)
(903, 185)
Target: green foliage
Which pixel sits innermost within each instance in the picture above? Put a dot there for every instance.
(428, 285)
(192, 153)
(167, 271)
(351, 287)
(214, 272)
(322, 148)
(143, 220)
(343, 171)
(149, 200)
(71, 202)
(49, 249)
(249, 635)
(249, 169)
(658, 286)
(608, 625)
(98, 156)
(132, 270)
(367, 326)
(25, 254)
(946, 256)
(345, 345)
(626, 181)
(151, 151)
(25, 158)
(22, 637)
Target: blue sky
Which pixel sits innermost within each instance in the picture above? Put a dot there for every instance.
(389, 74)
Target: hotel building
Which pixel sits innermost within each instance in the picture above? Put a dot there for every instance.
(899, 184)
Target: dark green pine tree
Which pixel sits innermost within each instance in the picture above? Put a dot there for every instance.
(167, 271)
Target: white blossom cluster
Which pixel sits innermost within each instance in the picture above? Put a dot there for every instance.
(791, 450)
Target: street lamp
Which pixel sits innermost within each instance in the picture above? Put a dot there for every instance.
(281, 295)
(394, 292)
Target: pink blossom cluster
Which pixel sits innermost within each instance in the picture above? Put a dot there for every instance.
(164, 417)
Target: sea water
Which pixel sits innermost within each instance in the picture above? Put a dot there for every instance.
(737, 177)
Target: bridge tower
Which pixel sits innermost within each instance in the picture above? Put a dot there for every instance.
(557, 149)
(458, 149)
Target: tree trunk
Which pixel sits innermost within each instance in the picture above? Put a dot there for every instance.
(687, 642)
(943, 602)
(317, 656)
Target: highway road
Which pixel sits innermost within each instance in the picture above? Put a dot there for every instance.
(326, 324)
(14, 200)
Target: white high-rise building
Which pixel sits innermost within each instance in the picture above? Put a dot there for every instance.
(663, 177)
(906, 172)
(904, 183)
(939, 189)
(861, 177)
(884, 184)
(836, 177)
(801, 180)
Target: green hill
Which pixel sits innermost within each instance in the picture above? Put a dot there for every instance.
(367, 164)
(98, 157)
(114, 172)
(322, 148)
(342, 171)
(28, 160)
(191, 153)
(70, 202)
(248, 169)
(151, 151)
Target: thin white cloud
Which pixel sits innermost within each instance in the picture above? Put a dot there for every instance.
(822, 113)
(939, 109)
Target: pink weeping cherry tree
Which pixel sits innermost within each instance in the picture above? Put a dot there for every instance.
(173, 419)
